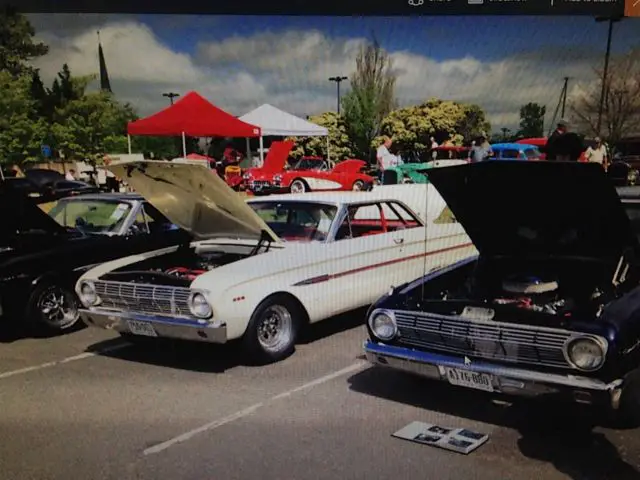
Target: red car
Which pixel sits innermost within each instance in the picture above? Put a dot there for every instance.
(307, 175)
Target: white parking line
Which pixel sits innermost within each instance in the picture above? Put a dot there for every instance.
(60, 362)
(249, 410)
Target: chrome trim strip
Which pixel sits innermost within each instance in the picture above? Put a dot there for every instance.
(184, 329)
(413, 356)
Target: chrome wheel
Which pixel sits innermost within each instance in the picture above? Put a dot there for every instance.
(298, 186)
(57, 308)
(275, 328)
(358, 186)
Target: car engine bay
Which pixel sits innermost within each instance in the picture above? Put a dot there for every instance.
(562, 287)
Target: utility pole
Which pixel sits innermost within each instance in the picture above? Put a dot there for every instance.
(564, 96)
(171, 96)
(605, 73)
(338, 81)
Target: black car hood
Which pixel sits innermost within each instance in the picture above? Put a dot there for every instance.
(537, 208)
(19, 215)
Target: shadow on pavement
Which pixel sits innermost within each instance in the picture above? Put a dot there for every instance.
(559, 434)
(208, 358)
(12, 331)
(334, 325)
(192, 356)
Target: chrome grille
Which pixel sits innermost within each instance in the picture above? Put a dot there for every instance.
(259, 183)
(487, 339)
(144, 298)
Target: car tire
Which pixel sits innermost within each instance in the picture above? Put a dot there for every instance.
(273, 330)
(298, 186)
(628, 413)
(53, 309)
(358, 186)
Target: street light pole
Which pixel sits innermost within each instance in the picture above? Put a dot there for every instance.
(338, 81)
(171, 96)
(605, 73)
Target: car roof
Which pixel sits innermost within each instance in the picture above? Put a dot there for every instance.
(336, 198)
(515, 146)
(629, 193)
(112, 197)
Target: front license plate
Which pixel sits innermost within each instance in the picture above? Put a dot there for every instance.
(465, 378)
(141, 328)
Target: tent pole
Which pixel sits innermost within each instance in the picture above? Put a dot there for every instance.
(261, 151)
(328, 154)
(249, 151)
(129, 142)
(184, 146)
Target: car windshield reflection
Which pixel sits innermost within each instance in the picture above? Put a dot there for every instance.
(91, 216)
(297, 221)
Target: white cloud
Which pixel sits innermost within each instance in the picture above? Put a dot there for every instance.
(290, 70)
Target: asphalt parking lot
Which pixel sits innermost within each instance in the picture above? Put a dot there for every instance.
(89, 405)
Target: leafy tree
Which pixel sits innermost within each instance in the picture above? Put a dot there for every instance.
(17, 47)
(473, 123)
(371, 98)
(621, 112)
(340, 147)
(20, 135)
(532, 120)
(412, 127)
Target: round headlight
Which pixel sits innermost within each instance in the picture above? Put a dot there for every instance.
(383, 325)
(586, 353)
(88, 295)
(199, 306)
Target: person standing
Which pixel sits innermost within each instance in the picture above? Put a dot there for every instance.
(70, 175)
(598, 154)
(434, 146)
(480, 151)
(385, 158)
(555, 139)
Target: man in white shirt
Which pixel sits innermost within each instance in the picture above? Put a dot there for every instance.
(598, 154)
(384, 157)
(70, 175)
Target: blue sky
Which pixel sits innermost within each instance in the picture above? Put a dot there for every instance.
(442, 37)
(240, 62)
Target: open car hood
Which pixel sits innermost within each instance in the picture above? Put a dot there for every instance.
(20, 215)
(194, 198)
(537, 208)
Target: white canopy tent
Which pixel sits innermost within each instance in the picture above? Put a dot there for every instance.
(273, 122)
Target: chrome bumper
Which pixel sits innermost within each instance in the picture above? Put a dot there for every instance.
(165, 327)
(508, 380)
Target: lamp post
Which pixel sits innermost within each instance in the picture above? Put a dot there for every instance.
(605, 72)
(171, 96)
(338, 81)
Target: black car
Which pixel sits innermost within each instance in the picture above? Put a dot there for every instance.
(48, 188)
(42, 255)
(551, 305)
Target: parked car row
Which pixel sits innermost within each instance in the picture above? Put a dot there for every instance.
(478, 278)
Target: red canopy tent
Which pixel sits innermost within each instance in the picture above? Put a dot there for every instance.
(193, 116)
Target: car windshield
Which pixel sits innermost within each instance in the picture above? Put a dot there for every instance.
(91, 216)
(309, 164)
(297, 221)
(532, 153)
(633, 212)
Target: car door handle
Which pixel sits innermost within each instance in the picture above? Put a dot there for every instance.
(398, 241)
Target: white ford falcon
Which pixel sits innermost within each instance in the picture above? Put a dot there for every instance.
(260, 270)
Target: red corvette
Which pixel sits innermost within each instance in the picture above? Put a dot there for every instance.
(309, 174)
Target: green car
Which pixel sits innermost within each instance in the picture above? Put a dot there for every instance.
(415, 172)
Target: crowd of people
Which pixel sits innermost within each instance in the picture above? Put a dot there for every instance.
(562, 145)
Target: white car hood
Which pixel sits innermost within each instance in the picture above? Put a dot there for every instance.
(194, 198)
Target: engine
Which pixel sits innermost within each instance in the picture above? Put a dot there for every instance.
(188, 273)
(534, 293)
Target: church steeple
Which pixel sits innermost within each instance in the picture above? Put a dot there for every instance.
(105, 85)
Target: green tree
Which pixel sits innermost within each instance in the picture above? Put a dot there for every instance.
(20, 135)
(17, 47)
(473, 123)
(532, 120)
(371, 98)
(412, 127)
(340, 147)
